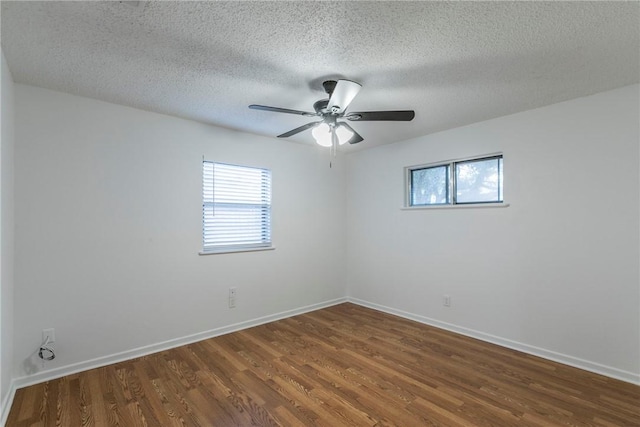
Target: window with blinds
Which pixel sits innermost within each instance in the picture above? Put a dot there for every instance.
(236, 208)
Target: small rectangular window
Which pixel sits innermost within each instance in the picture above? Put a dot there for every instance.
(430, 186)
(479, 180)
(236, 207)
(468, 181)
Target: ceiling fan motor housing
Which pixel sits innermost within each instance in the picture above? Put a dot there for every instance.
(321, 106)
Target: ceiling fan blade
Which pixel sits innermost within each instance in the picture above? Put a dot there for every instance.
(299, 129)
(281, 110)
(396, 116)
(356, 136)
(342, 95)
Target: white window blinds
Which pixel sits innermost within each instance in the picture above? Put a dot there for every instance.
(236, 208)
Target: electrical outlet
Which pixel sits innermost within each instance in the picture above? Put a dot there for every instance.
(50, 334)
(446, 300)
(232, 297)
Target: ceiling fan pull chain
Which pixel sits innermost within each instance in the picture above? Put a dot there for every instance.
(334, 149)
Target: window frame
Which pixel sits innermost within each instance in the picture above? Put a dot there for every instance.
(452, 184)
(230, 247)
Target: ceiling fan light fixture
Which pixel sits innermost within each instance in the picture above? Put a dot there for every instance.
(322, 135)
(344, 134)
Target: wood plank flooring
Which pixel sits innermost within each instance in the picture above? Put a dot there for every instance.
(341, 366)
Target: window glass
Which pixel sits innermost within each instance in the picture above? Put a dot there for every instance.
(430, 186)
(476, 180)
(479, 181)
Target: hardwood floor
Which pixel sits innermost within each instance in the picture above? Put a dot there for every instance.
(341, 366)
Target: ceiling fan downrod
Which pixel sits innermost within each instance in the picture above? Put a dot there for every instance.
(329, 86)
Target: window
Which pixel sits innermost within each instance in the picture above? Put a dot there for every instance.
(236, 208)
(430, 186)
(469, 181)
(479, 180)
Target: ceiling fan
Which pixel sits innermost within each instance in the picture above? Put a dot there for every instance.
(328, 131)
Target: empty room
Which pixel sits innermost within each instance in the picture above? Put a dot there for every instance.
(320, 213)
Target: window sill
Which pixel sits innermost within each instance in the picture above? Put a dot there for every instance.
(461, 206)
(231, 251)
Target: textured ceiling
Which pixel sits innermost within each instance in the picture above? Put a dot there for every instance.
(454, 63)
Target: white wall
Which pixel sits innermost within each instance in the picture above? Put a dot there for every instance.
(555, 273)
(6, 232)
(107, 208)
(108, 229)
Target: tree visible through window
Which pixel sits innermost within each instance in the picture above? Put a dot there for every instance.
(479, 180)
(460, 182)
(236, 207)
(430, 186)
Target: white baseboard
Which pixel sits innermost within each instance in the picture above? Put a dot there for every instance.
(166, 345)
(576, 362)
(6, 403)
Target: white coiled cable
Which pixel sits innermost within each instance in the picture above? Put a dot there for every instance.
(46, 353)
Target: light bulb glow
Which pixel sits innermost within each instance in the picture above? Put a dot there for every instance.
(344, 134)
(322, 135)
